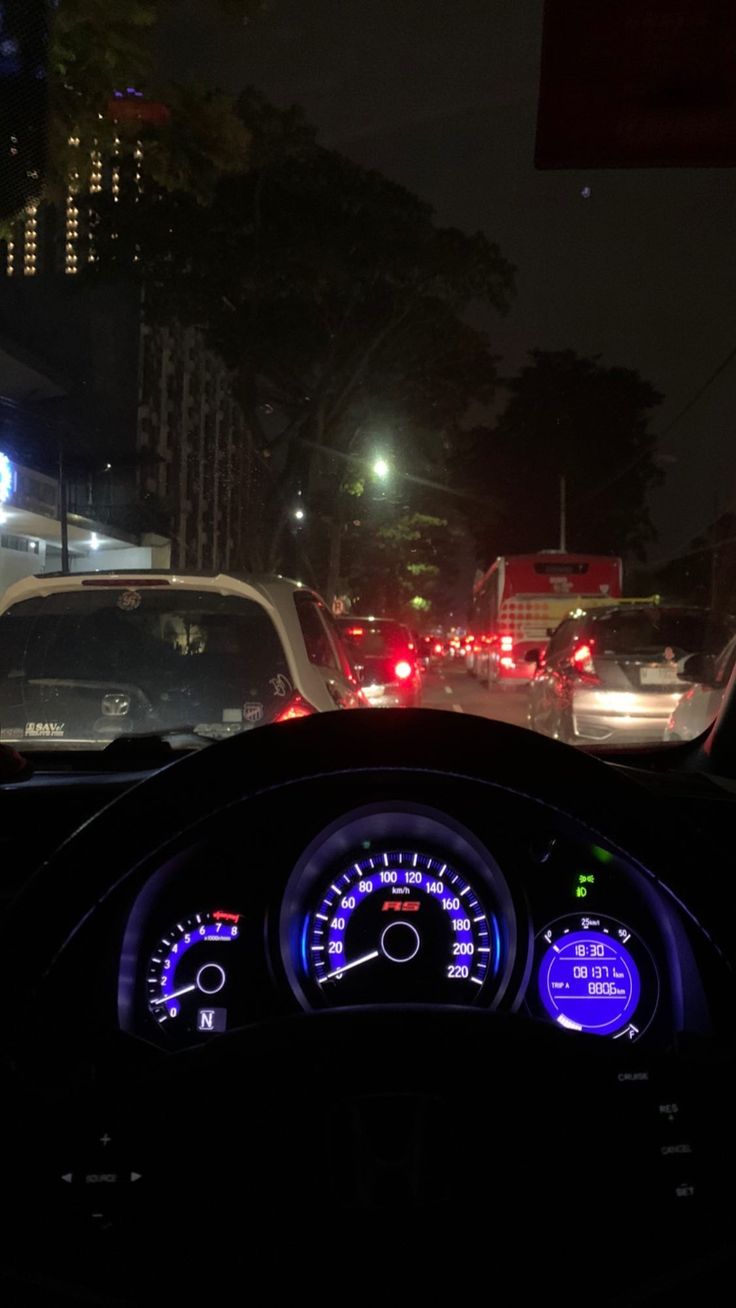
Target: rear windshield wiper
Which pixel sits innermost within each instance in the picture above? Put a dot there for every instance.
(166, 742)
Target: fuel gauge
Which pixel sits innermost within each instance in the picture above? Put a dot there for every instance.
(595, 974)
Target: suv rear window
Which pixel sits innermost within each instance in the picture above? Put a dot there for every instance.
(86, 665)
(653, 630)
(377, 639)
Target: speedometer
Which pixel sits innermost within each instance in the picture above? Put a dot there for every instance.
(399, 926)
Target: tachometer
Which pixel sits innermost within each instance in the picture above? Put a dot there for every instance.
(400, 926)
(189, 974)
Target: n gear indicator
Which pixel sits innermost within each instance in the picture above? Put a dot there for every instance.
(595, 975)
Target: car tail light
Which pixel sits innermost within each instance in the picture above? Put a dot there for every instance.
(507, 644)
(582, 659)
(355, 631)
(297, 707)
(403, 670)
(438, 648)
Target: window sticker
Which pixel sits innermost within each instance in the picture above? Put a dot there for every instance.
(281, 685)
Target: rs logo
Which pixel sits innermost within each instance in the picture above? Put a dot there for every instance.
(401, 905)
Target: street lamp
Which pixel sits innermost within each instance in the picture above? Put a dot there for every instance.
(381, 469)
(299, 515)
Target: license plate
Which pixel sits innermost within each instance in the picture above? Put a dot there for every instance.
(658, 676)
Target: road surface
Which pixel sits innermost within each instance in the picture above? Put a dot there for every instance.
(450, 687)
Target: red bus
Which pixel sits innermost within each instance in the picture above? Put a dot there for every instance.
(520, 600)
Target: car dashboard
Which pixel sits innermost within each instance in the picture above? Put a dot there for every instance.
(331, 964)
(429, 891)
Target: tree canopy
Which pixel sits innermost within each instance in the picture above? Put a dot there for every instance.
(569, 416)
(98, 48)
(336, 299)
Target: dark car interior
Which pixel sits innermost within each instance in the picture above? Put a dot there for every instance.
(215, 1050)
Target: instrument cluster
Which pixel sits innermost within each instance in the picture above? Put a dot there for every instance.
(397, 903)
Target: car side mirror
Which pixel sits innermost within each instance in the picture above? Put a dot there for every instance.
(533, 656)
(699, 668)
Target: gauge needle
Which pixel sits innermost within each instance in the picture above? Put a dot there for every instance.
(357, 962)
(175, 995)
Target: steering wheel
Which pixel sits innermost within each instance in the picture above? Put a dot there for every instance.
(400, 1149)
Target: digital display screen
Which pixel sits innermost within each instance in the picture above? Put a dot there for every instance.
(588, 981)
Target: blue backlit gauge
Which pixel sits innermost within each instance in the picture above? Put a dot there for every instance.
(189, 972)
(399, 927)
(594, 974)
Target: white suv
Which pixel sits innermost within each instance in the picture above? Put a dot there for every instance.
(88, 657)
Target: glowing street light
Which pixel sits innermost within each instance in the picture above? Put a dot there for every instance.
(381, 469)
(299, 515)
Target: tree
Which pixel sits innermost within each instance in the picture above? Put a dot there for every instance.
(98, 48)
(402, 565)
(705, 572)
(337, 301)
(572, 416)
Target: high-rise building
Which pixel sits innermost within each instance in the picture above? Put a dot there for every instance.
(147, 408)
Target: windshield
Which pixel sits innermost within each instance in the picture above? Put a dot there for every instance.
(82, 667)
(414, 304)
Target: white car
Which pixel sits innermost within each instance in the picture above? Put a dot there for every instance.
(699, 705)
(88, 657)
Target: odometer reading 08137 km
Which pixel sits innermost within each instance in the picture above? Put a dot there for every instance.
(595, 975)
(399, 927)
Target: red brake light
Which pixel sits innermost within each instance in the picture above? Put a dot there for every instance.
(438, 648)
(355, 631)
(507, 644)
(297, 707)
(582, 659)
(403, 669)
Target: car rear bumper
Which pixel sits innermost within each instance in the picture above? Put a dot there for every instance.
(392, 696)
(599, 715)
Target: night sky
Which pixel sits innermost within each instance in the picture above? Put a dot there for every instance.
(441, 95)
